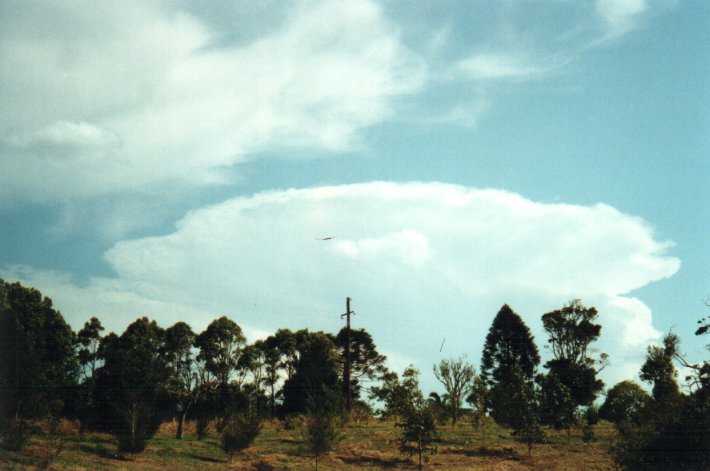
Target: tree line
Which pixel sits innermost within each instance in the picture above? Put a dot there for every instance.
(129, 384)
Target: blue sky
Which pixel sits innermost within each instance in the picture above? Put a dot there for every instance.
(179, 160)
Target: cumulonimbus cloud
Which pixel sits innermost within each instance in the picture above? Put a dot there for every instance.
(422, 261)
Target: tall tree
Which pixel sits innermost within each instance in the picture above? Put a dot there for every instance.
(509, 352)
(37, 357)
(316, 373)
(366, 363)
(220, 347)
(131, 384)
(457, 376)
(571, 330)
(89, 339)
(184, 382)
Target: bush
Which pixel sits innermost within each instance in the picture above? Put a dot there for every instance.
(239, 432)
(17, 434)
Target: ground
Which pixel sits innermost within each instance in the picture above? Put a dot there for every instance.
(368, 444)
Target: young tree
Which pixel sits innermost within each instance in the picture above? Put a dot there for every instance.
(184, 383)
(457, 377)
(572, 330)
(478, 399)
(509, 347)
(239, 432)
(396, 394)
(321, 431)
(416, 420)
(526, 419)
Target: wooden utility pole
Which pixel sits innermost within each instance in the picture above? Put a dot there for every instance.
(346, 374)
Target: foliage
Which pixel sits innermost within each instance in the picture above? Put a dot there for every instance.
(130, 386)
(418, 432)
(365, 361)
(239, 432)
(572, 330)
(509, 348)
(417, 421)
(315, 372)
(478, 400)
(526, 421)
(321, 432)
(557, 408)
(183, 385)
(220, 346)
(397, 394)
(37, 360)
(457, 377)
(658, 369)
(625, 402)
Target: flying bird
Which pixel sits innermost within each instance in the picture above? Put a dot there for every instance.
(325, 238)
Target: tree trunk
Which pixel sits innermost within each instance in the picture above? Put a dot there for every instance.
(181, 421)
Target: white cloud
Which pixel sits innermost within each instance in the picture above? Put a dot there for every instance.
(422, 262)
(141, 95)
(490, 66)
(620, 16)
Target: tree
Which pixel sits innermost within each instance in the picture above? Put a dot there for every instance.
(239, 432)
(131, 384)
(220, 347)
(321, 432)
(658, 369)
(37, 358)
(557, 407)
(415, 419)
(365, 361)
(509, 347)
(572, 330)
(478, 399)
(89, 340)
(396, 394)
(526, 419)
(625, 402)
(316, 372)
(184, 383)
(457, 377)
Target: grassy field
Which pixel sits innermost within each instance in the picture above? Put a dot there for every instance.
(367, 445)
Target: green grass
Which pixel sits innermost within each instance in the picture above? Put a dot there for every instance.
(367, 445)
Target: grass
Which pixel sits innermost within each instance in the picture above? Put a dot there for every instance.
(367, 445)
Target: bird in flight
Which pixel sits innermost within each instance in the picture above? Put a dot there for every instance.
(325, 238)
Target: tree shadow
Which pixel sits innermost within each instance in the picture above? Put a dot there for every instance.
(377, 461)
(505, 453)
(207, 459)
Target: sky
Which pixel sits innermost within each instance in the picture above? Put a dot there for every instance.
(183, 160)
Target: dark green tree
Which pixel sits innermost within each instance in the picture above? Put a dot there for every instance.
(316, 372)
(131, 385)
(457, 376)
(366, 363)
(571, 330)
(38, 364)
(557, 407)
(89, 340)
(239, 432)
(658, 369)
(626, 402)
(526, 417)
(478, 399)
(415, 419)
(321, 432)
(509, 350)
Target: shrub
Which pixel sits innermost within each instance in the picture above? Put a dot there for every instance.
(239, 432)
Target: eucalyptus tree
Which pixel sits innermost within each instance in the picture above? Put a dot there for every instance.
(457, 376)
